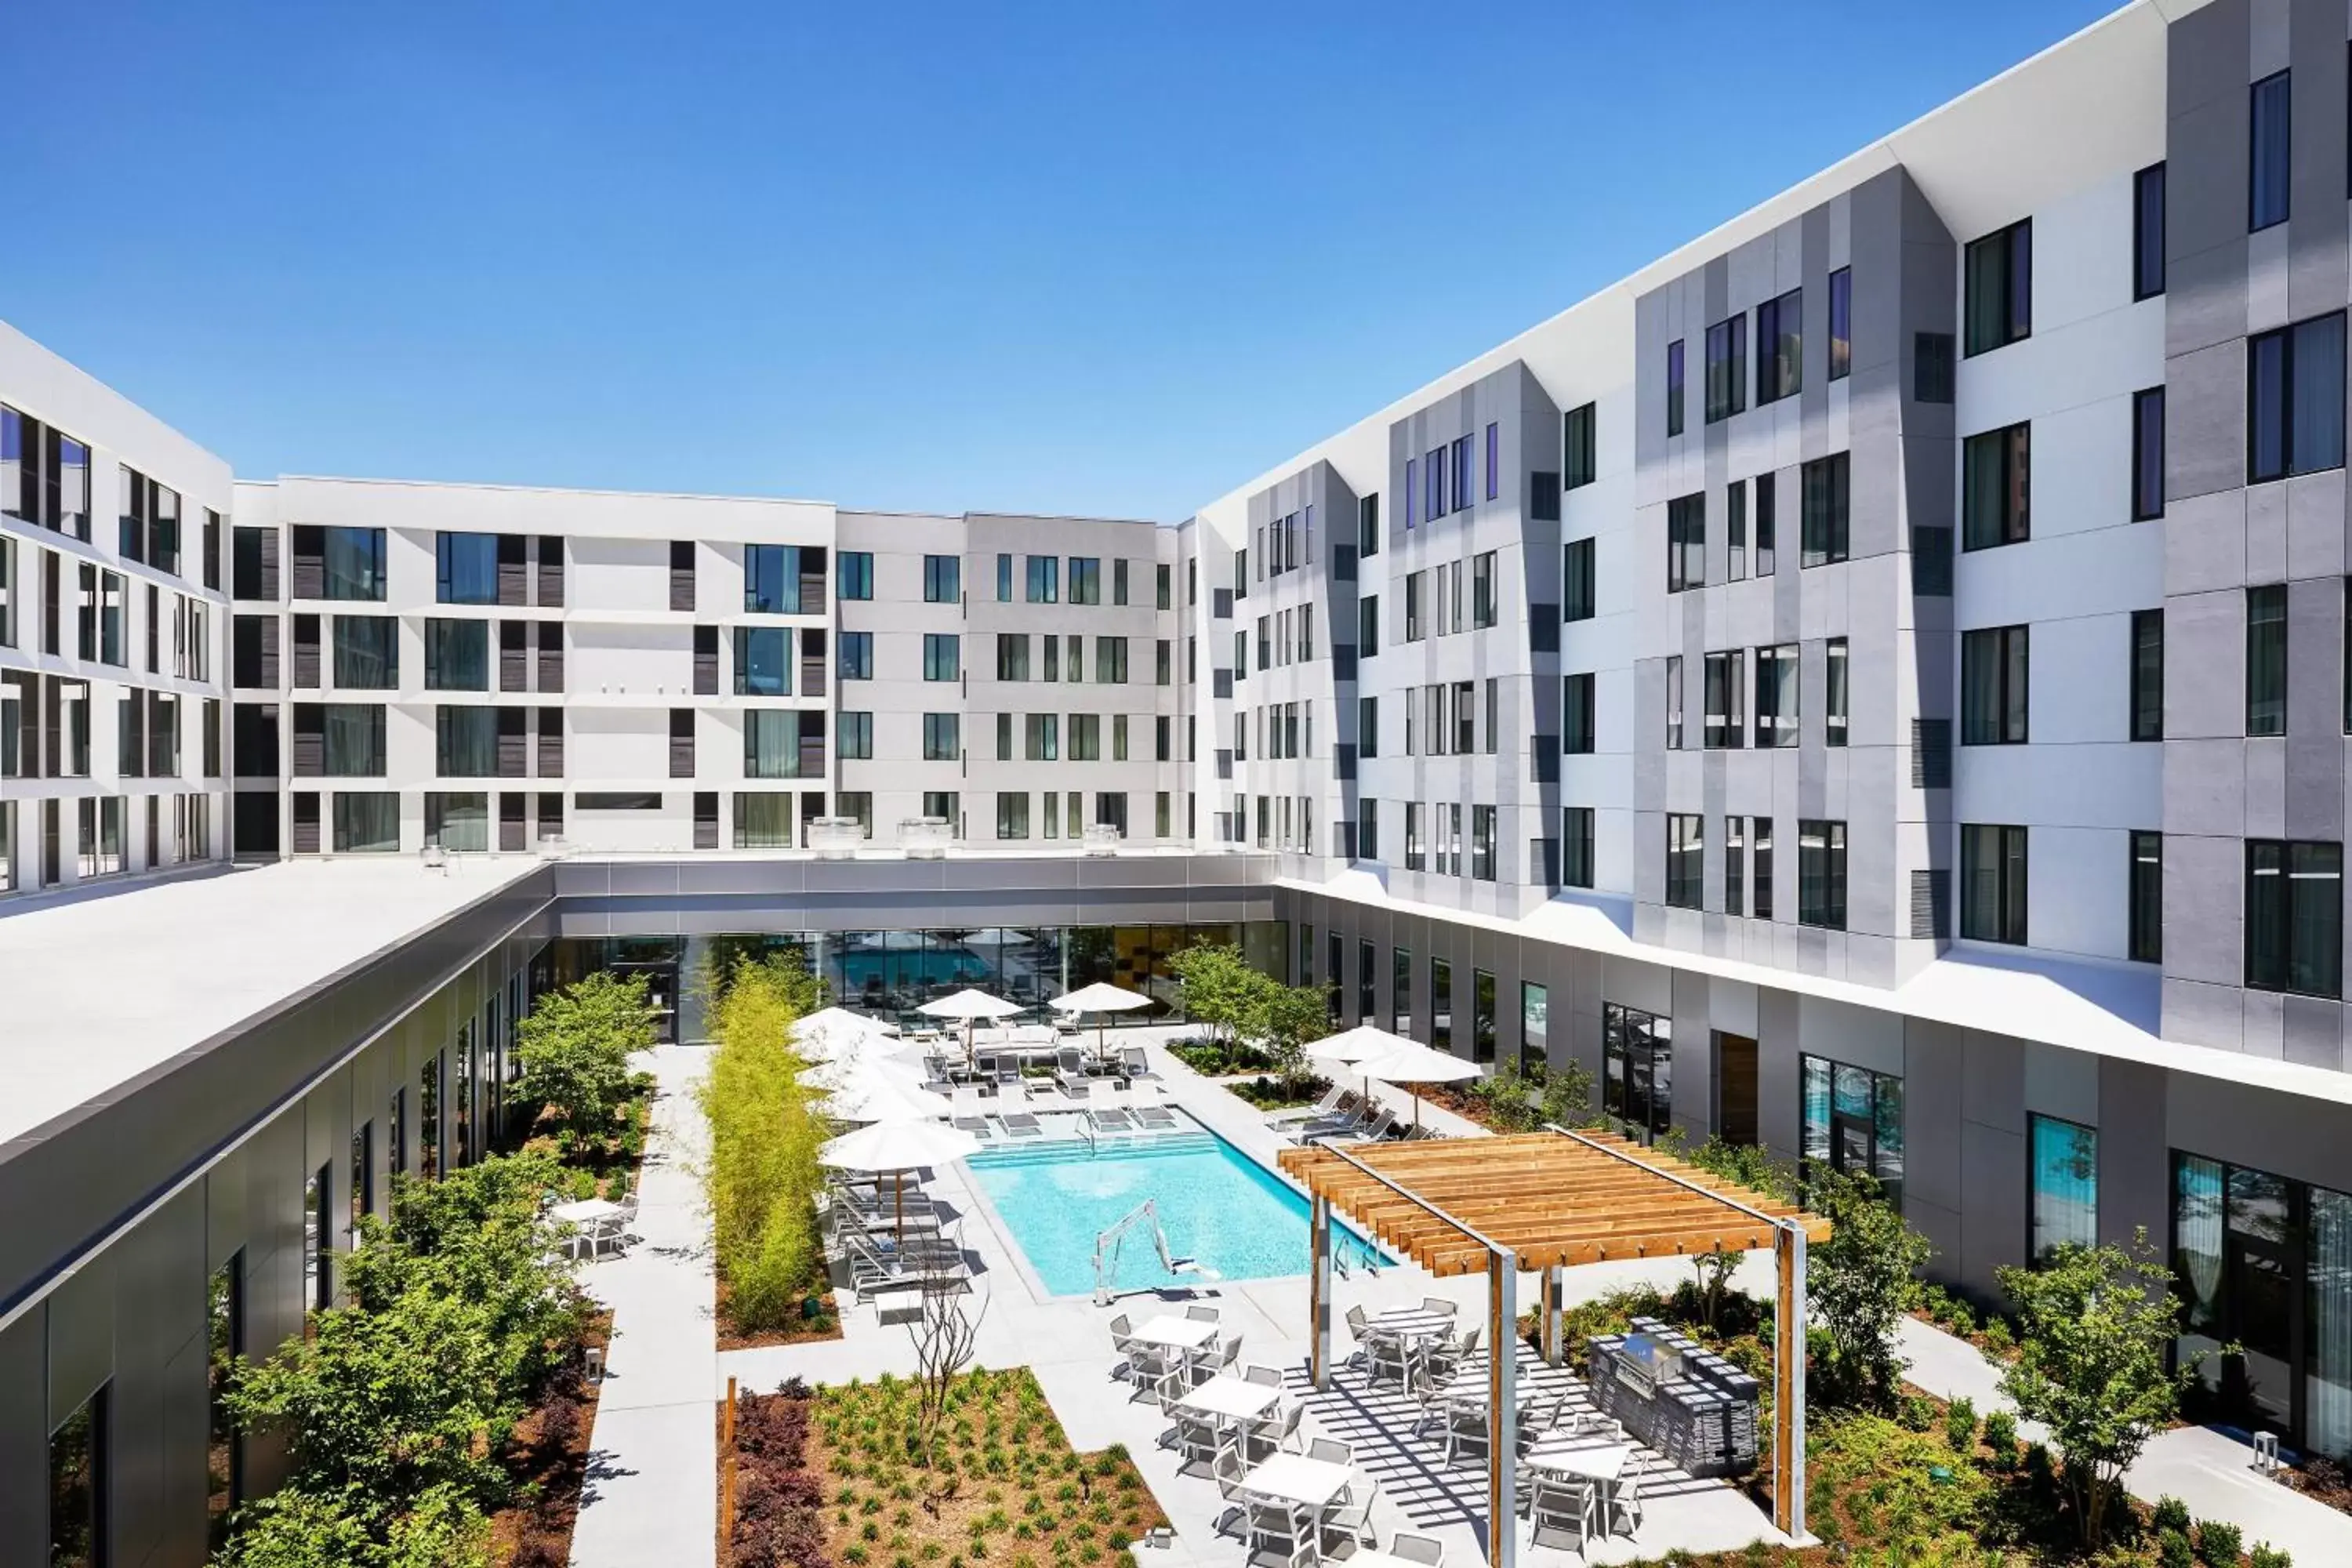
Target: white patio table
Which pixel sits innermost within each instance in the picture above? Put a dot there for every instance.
(1229, 1397)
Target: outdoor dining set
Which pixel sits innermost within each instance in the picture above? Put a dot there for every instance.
(1293, 1499)
(1578, 1473)
(596, 1223)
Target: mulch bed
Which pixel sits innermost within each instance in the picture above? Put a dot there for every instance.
(549, 1465)
(804, 1330)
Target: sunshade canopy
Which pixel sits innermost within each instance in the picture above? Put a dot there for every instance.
(1409, 1061)
(1356, 1045)
(898, 1144)
(968, 1004)
(1100, 997)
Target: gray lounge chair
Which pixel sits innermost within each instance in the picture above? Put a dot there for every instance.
(1112, 1121)
(1155, 1118)
(975, 1125)
(1022, 1125)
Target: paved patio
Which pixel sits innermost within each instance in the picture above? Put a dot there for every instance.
(652, 1489)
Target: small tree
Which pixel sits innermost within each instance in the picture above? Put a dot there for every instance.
(1568, 1095)
(574, 1049)
(760, 1178)
(2095, 1325)
(1861, 1281)
(1217, 989)
(1283, 1020)
(944, 1335)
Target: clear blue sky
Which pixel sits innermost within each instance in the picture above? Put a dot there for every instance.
(1110, 258)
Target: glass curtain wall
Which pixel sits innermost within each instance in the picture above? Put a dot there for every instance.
(1637, 1070)
(1853, 1121)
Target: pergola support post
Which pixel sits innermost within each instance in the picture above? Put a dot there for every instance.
(1318, 1276)
(1555, 1288)
(1789, 1383)
(1502, 1407)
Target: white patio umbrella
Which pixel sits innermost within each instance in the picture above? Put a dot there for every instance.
(1099, 997)
(898, 1145)
(839, 1021)
(1413, 1063)
(1351, 1046)
(968, 1005)
(866, 1091)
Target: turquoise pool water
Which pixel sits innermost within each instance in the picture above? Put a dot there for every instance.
(1218, 1208)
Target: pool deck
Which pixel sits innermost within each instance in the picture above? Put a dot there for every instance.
(653, 1450)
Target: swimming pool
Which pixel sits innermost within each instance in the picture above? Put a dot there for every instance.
(1218, 1208)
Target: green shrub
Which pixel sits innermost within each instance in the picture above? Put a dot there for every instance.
(2172, 1550)
(1917, 1413)
(1997, 1338)
(2001, 1438)
(574, 1049)
(2265, 1555)
(2170, 1513)
(2219, 1543)
(1960, 1426)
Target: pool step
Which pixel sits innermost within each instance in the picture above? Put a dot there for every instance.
(1104, 1146)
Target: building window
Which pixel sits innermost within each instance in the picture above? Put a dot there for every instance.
(1821, 874)
(2148, 454)
(367, 651)
(1481, 591)
(1779, 347)
(2146, 938)
(1776, 695)
(1726, 368)
(1841, 323)
(1674, 702)
(1576, 580)
(1013, 815)
(772, 579)
(782, 744)
(1735, 856)
(79, 1485)
(1993, 686)
(1992, 883)
(1994, 480)
(857, 575)
(856, 741)
(1580, 465)
(1482, 843)
(1675, 387)
(2147, 232)
(1004, 578)
(1851, 1119)
(943, 656)
(2266, 659)
(1836, 692)
(2000, 287)
(1725, 722)
(1826, 485)
(2066, 1186)
(1576, 716)
(1415, 848)
(1760, 851)
(1686, 861)
(2269, 157)
(942, 737)
(1493, 461)
(944, 579)
(366, 823)
(1767, 487)
(1685, 542)
(351, 563)
(764, 820)
(466, 568)
(1086, 580)
(1637, 1058)
(2294, 917)
(1534, 1025)
(763, 661)
(855, 655)
(1576, 847)
(1044, 581)
(2147, 675)
(2294, 399)
(1414, 583)
(225, 1342)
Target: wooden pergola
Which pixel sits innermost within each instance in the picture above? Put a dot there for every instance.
(1546, 1202)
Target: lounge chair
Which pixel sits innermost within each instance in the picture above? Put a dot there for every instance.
(1333, 1102)
(1326, 1127)
(1370, 1132)
(1022, 1125)
(872, 1271)
(975, 1125)
(1112, 1121)
(1155, 1118)
(1134, 1064)
(1070, 1074)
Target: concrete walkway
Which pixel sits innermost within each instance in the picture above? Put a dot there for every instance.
(652, 1495)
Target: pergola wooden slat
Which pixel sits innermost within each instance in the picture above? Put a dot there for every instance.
(1546, 1201)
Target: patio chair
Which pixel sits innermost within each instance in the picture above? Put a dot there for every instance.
(1466, 1434)
(1445, 1358)
(1070, 1074)
(1425, 1549)
(1111, 1120)
(1149, 1366)
(1346, 1121)
(1271, 1435)
(1539, 1415)
(1155, 1118)
(1282, 1533)
(1439, 1307)
(1199, 1441)
(1359, 1327)
(1122, 1343)
(1386, 1359)
(1215, 1361)
(1331, 1451)
(1134, 1064)
(1264, 1376)
(975, 1125)
(1350, 1517)
(1200, 1313)
(1557, 1504)
(1228, 1468)
(1022, 1125)
(1323, 1109)
(1625, 1497)
(1381, 1124)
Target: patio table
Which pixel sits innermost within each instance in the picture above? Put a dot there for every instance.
(1229, 1397)
(1175, 1333)
(1364, 1557)
(586, 1211)
(1295, 1479)
(1588, 1462)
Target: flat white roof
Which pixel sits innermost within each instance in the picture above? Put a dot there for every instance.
(96, 991)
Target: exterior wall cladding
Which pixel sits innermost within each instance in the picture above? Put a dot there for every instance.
(1986, 883)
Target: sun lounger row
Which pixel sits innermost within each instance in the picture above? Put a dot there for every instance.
(1015, 1126)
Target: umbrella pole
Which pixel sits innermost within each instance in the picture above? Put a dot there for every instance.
(899, 1184)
